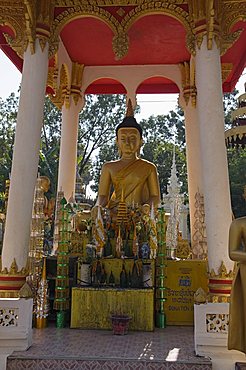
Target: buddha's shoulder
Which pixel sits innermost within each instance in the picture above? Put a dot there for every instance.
(239, 222)
(147, 164)
(111, 164)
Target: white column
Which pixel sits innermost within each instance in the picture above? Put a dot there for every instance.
(25, 157)
(213, 155)
(193, 159)
(68, 149)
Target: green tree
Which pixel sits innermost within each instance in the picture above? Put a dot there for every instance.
(237, 175)
(50, 144)
(8, 115)
(230, 104)
(97, 123)
(162, 155)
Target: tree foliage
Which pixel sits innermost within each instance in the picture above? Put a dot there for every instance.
(97, 123)
(237, 175)
(230, 104)
(50, 144)
(8, 115)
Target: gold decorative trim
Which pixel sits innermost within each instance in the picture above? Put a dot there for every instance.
(25, 291)
(109, 3)
(13, 16)
(188, 81)
(76, 81)
(232, 13)
(222, 272)
(62, 90)
(52, 77)
(167, 8)
(219, 291)
(105, 3)
(30, 23)
(66, 87)
(80, 10)
(199, 240)
(30, 19)
(120, 45)
(215, 19)
(13, 270)
(206, 18)
(9, 294)
(226, 69)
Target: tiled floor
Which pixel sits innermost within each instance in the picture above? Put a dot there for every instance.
(170, 348)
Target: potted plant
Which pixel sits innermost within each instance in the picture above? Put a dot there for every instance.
(120, 323)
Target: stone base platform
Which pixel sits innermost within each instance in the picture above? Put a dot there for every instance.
(171, 348)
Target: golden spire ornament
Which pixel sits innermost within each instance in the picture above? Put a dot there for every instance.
(129, 111)
(42, 303)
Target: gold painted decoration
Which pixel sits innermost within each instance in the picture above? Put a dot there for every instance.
(222, 272)
(215, 19)
(220, 284)
(232, 12)
(13, 270)
(11, 280)
(102, 3)
(226, 69)
(82, 10)
(200, 296)
(25, 291)
(188, 81)
(32, 19)
(29, 20)
(12, 15)
(199, 240)
(62, 90)
(76, 81)
(120, 45)
(169, 7)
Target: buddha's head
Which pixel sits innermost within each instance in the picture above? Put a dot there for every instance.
(129, 134)
(45, 183)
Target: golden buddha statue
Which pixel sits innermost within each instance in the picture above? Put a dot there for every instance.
(134, 180)
(237, 252)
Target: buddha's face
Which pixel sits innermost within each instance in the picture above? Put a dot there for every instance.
(129, 141)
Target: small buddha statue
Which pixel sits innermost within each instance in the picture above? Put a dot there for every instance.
(237, 252)
(130, 175)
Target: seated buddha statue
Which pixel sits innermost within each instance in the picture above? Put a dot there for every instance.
(133, 179)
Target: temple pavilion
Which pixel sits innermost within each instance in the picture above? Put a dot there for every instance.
(69, 48)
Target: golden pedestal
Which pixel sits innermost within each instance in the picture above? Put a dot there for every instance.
(92, 307)
(41, 323)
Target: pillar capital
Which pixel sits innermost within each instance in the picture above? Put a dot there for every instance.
(30, 20)
(214, 20)
(66, 85)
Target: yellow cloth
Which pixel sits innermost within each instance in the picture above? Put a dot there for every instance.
(139, 170)
(237, 322)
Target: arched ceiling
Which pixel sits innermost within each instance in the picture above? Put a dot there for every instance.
(153, 39)
(157, 36)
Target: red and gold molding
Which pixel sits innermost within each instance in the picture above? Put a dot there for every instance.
(10, 285)
(12, 280)
(220, 285)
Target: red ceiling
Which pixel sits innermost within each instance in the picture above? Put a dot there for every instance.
(153, 39)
